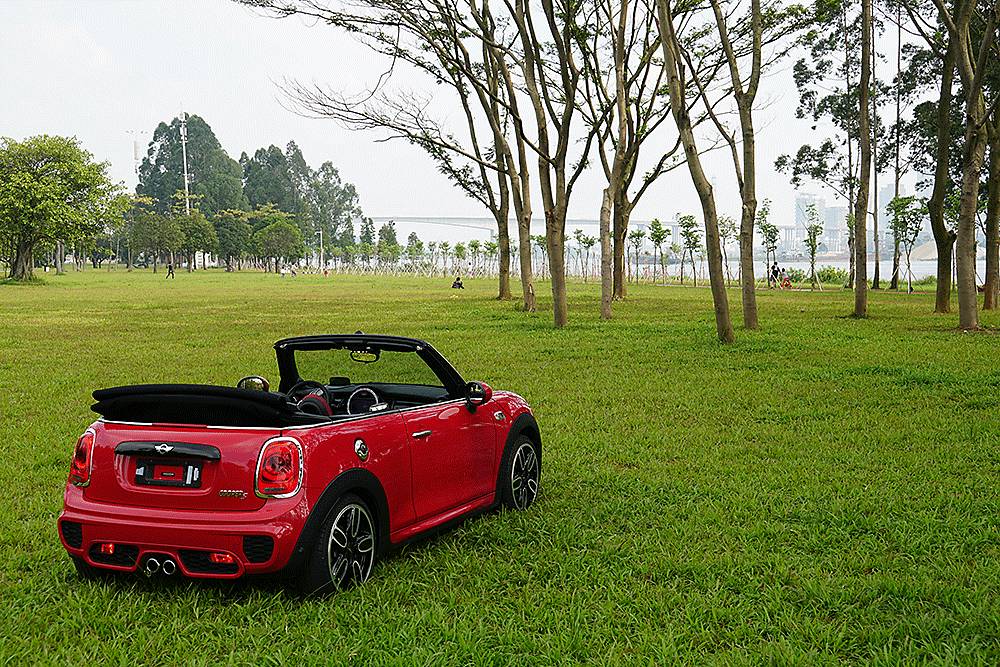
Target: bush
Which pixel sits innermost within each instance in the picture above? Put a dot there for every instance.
(796, 275)
(831, 274)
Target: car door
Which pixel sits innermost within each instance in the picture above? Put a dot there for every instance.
(452, 453)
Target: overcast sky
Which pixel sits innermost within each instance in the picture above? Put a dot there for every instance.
(97, 69)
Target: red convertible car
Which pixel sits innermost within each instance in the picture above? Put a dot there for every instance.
(370, 441)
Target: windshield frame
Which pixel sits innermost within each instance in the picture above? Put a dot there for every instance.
(285, 351)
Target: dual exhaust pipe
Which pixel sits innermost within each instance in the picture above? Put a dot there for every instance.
(153, 566)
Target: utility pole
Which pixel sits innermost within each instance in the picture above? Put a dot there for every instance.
(184, 154)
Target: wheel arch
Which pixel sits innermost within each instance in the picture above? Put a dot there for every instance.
(524, 424)
(358, 481)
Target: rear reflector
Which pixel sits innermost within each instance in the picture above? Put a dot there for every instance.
(221, 558)
(107, 548)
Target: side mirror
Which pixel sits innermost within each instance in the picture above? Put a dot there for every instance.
(476, 394)
(253, 383)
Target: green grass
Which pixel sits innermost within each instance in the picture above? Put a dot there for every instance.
(824, 490)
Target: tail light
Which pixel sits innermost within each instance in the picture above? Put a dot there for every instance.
(279, 468)
(79, 469)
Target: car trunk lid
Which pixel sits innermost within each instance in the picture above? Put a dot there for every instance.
(176, 466)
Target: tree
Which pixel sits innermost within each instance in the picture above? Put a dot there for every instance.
(657, 236)
(814, 229)
(50, 190)
(864, 180)
(199, 235)
(677, 86)
(746, 38)
(233, 233)
(156, 235)
(266, 179)
(727, 230)
(973, 51)
(827, 78)
(906, 217)
(213, 175)
(388, 248)
(414, 249)
(691, 239)
(769, 232)
(280, 241)
(635, 239)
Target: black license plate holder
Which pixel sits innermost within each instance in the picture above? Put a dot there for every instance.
(176, 474)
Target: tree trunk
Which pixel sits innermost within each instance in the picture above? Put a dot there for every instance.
(620, 233)
(965, 245)
(524, 257)
(748, 286)
(503, 242)
(874, 125)
(555, 221)
(607, 279)
(23, 264)
(944, 238)
(991, 286)
(864, 132)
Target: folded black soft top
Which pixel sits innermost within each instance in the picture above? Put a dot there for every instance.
(197, 404)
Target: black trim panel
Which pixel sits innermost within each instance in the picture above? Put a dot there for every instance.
(177, 450)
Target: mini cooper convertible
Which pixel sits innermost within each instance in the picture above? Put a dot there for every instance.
(370, 441)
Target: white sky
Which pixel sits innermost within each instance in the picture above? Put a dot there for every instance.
(99, 68)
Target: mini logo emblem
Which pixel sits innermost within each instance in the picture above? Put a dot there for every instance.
(163, 448)
(232, 493)
(361, 449)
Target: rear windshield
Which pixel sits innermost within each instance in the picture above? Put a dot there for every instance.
(331, 366)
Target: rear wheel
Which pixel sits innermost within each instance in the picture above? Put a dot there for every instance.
(344, 552)
(520, 474)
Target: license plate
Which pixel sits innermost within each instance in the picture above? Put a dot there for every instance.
(182, 474)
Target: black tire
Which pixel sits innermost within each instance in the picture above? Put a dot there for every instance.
(348, 538)
(520, 474)
(85, 570)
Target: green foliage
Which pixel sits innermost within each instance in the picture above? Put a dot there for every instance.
(814, 229)
(280, 241)
(796, 275)
(199, 234)
(51, 189)
(831, 275)
(213, 175)
(749, 504)
(234, 234)
(690, 233)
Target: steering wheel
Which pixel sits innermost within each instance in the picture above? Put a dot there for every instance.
(311, 402)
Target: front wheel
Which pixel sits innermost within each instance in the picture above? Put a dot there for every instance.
(520, 473)
(344, 551)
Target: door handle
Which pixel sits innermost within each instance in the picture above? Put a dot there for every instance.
(421, 434)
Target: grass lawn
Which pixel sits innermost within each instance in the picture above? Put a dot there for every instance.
(824, 490)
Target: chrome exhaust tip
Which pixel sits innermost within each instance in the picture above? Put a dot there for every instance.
(152, 567)
(169, 567)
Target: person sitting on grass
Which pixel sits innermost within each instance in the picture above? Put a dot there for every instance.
(458, 283)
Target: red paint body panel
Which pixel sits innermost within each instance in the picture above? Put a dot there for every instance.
(428, 480)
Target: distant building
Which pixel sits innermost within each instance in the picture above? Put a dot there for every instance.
(835, 233)
(802, 202)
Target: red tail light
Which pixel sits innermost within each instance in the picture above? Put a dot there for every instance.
(79, 469)
(221, 558)
(279, 468)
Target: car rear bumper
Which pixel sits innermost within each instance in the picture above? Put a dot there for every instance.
(259, 541)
